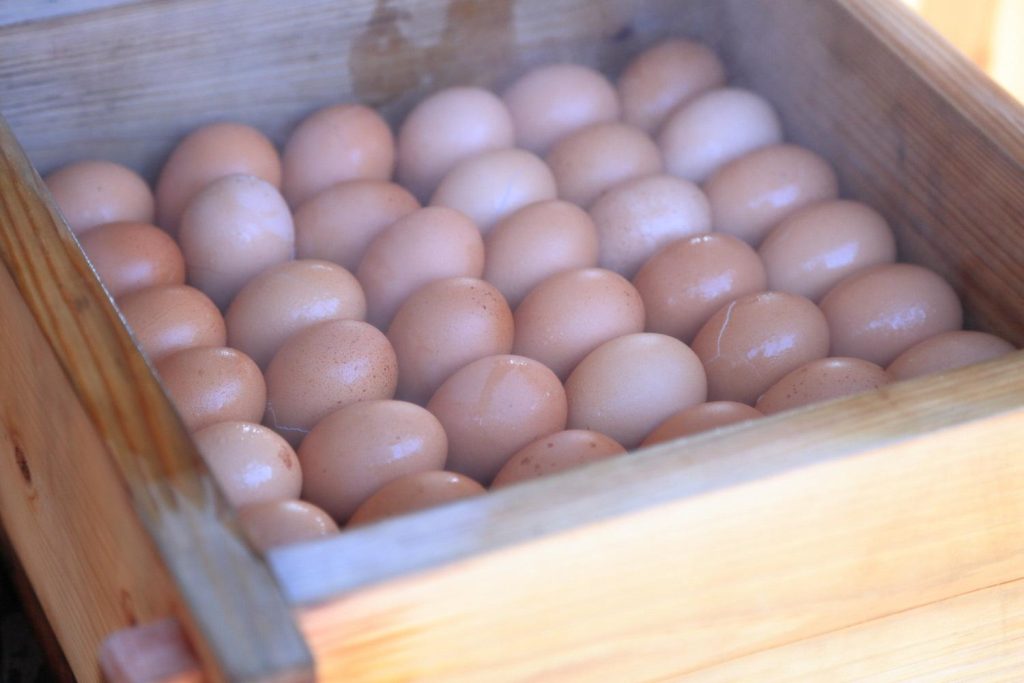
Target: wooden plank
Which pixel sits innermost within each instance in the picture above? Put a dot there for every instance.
(914, 129)
(19, 11)
(57, 89)
(234, 613)
(61, 503)
(978, 636)
(689, 554)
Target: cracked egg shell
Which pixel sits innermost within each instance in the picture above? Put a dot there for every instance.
(752, 342)
(688, 280)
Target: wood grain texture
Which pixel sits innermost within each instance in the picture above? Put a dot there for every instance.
(682, 558)
(914, 129)
(175, 69)
(975, 637)
(690, 554)
(232, 609)
(21, 11)
(91, 565)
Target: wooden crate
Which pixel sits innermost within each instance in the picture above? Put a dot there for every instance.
(878, 537)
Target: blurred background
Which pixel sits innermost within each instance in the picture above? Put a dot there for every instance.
(987, 31)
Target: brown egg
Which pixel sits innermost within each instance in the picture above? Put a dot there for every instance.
(493, 407)
(627, 386)
(131, 256)
(556, 453)
(552, 101)
(287, 298)
(570, 314)
(753, 194)
(662, 77)
(91, 193)
(701, 418)
(206, 154)
(442, 327)
(283, 522)
(323, 368)
(715, 128)
(685, 282)
(417, 491)
(251, 463)
(537, 242)
(947, 351)
(334, 144)
(443, 129)
(821, 380)
(234, 229)
(751, 343)
(490, 186)
(170, 318)
(596, 158)
(210, 384)
(879, 313)
(339, 223)
(430, 244)
(819, 245)
(357, 449)
(636, 218)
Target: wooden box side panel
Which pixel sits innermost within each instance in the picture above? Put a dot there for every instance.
(62, 505)
(175, 69)
(695, 582)
(978, 636)
(913, 128)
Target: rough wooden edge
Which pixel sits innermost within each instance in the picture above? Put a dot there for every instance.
(313, 572)
(976, 636)
(236, 615)
(697, 580)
